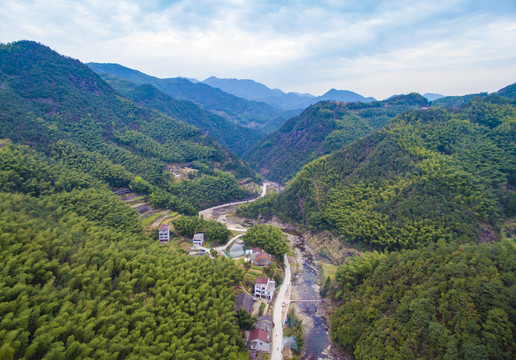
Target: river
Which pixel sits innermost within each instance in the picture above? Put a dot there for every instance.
(305, 287)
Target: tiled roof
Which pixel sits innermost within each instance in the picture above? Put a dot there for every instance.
(262, 280)
(244, 301)
(163, 227)
(258, 334)
(265, 318)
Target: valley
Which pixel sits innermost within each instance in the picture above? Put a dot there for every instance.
(401, 219)
(300, 283)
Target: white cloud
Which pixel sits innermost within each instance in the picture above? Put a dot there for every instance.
(373, 47)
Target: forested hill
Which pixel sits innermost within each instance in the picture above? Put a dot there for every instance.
(321, 129)
(458, 101)
(430, 175)
(63, 109)
(79, 277)
(235, 137)
(241, 111)
(435, 192)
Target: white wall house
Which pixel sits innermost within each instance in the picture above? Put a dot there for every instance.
(264, 288)
(198, 239)
(164, 234)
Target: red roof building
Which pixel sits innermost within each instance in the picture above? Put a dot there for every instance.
(259, 340)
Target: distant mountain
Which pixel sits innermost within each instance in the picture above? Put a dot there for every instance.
(245, 88)
(252, 90)
(432, 96)
(344, 96)
(241, 111)
(321, 129)
(235, 137)
(458, 101)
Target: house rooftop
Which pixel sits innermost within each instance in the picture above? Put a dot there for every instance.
(244, 301)
(163, 227)
(265, 318)
(198, 236)
(258, 334)
(262, 280)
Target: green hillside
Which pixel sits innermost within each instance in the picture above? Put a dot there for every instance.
(321, 129)
(435, 192)
(430, 175)
(441, 302)
(66, 111)
(235, 137)
(458, 101)
(79, 277)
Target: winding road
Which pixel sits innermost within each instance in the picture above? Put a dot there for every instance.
(277, 331)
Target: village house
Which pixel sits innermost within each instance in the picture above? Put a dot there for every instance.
(164, 234)
(261, 258)
(244, 301)
(264, 288)
(265, 323)
(198, 239)
(259, 340)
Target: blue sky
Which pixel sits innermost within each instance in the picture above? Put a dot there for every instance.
(376, 48)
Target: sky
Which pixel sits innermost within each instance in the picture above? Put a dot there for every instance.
(375, 48)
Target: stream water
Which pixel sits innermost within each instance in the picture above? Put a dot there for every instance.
(305, 287)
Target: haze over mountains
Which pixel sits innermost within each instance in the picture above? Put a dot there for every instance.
(251, 90)
(244, 112)
(192, 89)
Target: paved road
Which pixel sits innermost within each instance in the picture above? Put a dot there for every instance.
(207, 212)
(277, 331)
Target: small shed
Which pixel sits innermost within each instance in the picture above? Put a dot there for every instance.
(236, 250)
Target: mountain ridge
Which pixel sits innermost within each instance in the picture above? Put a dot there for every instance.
(322, 128)
(235, 137)
(244, 112)
(253, 90)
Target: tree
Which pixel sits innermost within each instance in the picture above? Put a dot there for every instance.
(268, 237)
(245, 320)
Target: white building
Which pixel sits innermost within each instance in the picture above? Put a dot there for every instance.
(198, 239)
(259, 341)
(264, 288)
(164, 234)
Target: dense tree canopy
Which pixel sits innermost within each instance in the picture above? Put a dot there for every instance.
(235, 137)
(213, 230)
(80, 278)
(321, 129)
(441, 302)
(63, 109)
(268, 237)
(430, 175)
